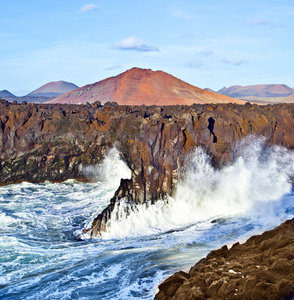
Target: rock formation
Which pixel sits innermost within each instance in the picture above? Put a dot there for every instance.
(261, 268)
(54, 142)
(143, 87)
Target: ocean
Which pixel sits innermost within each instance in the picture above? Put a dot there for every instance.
(40, 257)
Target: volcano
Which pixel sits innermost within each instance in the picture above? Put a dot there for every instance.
(53, 89)
(143, 87)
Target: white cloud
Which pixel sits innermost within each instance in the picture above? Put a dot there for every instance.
(134, 43)
(113, 67)
(182, 14)
(185, 35)
(265, 23)
(194, 65)
(89, 7)
(205, 53)
(261, 22)
(235, 62)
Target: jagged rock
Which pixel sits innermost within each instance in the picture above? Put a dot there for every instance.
(261, 268)
(54, 142)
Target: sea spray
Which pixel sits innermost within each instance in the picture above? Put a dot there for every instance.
(108, 174)
(252, 184)
(110, 171)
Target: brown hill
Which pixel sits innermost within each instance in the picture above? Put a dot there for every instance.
(53, 89)
(143, 86)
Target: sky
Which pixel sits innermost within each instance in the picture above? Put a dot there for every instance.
(207, 43)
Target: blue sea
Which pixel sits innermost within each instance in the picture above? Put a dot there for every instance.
(40, 257)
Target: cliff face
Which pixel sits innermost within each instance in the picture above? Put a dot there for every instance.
(261, 268)
(53, 142)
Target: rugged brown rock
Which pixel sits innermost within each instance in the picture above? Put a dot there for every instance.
(54, 142)
(143, 87)
(261, 268)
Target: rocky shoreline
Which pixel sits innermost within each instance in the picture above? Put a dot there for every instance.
(261, 268)
(56, 142)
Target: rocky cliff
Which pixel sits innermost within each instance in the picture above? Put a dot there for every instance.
(261, 268)
(54, 142)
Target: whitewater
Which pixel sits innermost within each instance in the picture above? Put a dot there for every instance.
(40, 257)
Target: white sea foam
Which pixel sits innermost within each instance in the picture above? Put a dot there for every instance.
(258, 178)
(146, 283)
(6, 221)
(3, 280)
(110, 171)
(9, 242)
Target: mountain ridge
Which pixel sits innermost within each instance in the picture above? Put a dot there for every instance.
(143, 87)
(6, 93)
(53, 89)
(257, 90)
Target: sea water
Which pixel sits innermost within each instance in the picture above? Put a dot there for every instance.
(40, 257)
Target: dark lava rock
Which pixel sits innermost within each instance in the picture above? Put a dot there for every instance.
(261, 268)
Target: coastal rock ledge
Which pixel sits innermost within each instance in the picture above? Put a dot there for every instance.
(261, 268)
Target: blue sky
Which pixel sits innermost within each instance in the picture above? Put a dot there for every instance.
(208, 43)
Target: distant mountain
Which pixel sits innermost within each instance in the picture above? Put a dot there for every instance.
(259, 90)
(289, 99)
(45, 93)
(53, 89)
(143, 86)
(5, 94)
(210, 90)
(229, 90)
